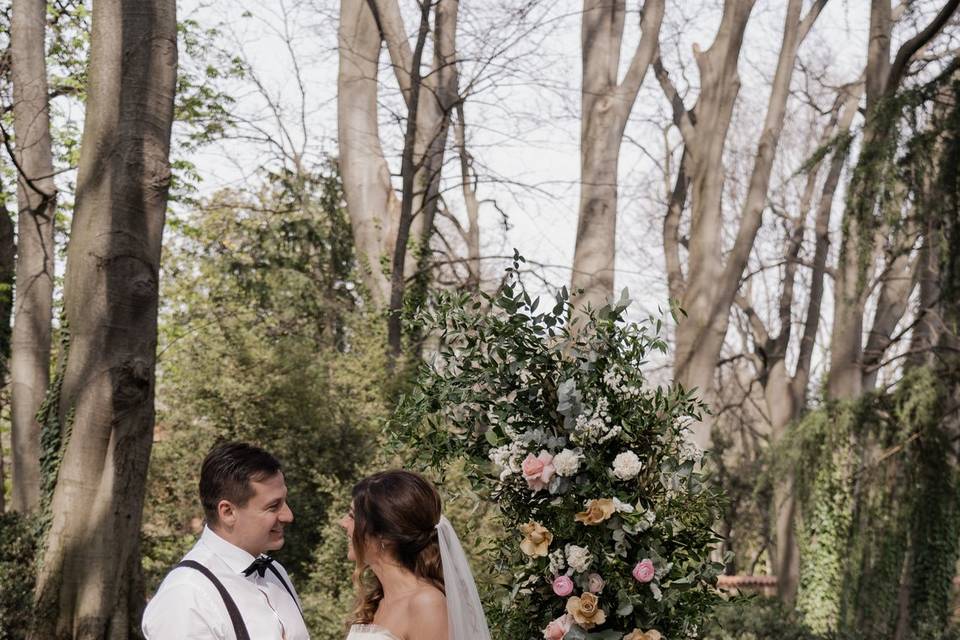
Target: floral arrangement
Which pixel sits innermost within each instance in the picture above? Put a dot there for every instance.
(607, 513)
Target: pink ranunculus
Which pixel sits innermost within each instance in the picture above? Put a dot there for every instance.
(562, 586)
(595, 583)
(644, 570)
(558, 628)
(538, 470)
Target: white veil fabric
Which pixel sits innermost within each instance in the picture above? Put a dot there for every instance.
(465, 617)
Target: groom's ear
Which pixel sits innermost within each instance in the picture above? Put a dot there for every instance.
(227, 513)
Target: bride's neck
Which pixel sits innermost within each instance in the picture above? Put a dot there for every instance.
(395, 579)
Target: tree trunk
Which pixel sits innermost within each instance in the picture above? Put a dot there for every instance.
(468, 185)
(606, 105)
(102, 401)
(8, 251)
(371, 202)
(861, 245)
(36, 200)
(392, 235)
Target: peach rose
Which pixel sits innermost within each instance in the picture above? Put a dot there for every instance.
(558, 628)
(538, 470)
(597, 511)
(636, 634)
(644, 570)
(536, 539)
(586, 610)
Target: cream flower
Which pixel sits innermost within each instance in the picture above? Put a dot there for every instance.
(627, 465)
(567, 462)
(586, 610)
(597, 511)
(536, 539)
(637, 634)
(579, 558)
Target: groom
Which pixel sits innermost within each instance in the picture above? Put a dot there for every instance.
(226, 588)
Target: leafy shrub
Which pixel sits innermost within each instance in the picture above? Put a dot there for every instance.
(18, 546)
(599, 491)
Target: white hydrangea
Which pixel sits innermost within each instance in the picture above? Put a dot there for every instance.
(558, 562)
(578, 558)
(627, 465)
(567, 462)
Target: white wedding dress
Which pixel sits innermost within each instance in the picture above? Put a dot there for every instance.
(369, 632)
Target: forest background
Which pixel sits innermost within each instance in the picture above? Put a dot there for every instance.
(778, 179)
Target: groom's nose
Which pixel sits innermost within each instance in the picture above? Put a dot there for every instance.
(286, 514)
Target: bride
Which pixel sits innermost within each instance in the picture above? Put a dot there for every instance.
(419, 585)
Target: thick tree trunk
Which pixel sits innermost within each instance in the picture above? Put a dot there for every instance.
(371, 202)
(392, 234)
(103, 398)
(36, 200)
(606, 105)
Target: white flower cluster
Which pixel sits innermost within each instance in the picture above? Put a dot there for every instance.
(567, 462)
(622, 507)
(507, 457)
(558, 562)
(690, 451)
(616, 381)
(627, 465)
(595, 428)
(578, 558)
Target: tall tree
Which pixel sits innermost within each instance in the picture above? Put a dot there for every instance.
(606, 106)
(99, 415)
(392, 233)
(866, 230)
(36, 203)
(785, 393)
(707, 288)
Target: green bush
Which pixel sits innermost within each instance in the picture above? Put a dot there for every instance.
(514, 383)
(18, 546)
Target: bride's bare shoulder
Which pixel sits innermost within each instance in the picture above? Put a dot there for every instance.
(428, 599)
(427, 615)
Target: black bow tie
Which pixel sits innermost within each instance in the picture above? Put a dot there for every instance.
(259, 565)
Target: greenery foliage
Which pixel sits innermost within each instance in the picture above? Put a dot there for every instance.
(881, 512)
(587, 462)
(262, 339)
(18, 546)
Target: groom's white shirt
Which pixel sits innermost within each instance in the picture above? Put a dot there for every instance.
(188, 606)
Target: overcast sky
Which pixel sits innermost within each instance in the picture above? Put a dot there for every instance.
(524, 119)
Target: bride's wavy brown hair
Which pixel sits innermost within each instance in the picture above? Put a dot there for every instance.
(398, 510)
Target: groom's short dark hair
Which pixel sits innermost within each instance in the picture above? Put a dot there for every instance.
(227, 472)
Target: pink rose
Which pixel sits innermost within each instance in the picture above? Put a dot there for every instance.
(595, 583)
(562, 586)
(538, 470)
(644, 570)
(558, 628)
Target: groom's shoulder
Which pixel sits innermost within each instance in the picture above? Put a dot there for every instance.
(186, 578)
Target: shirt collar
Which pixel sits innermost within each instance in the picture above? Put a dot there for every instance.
(235, 557)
